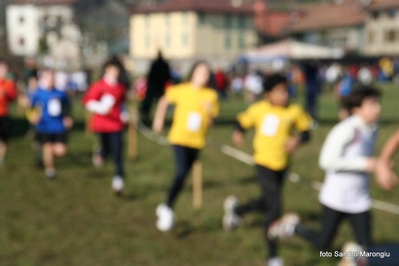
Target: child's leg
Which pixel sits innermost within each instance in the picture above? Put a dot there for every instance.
(48, 155)
(271, 183)
(116, 141)
(3, 150)
(105, 142)
(184, 159)
(361, 223)
(330, 221)
(59, 149)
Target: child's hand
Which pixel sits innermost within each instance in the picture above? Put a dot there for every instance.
(24, 102)
(68, 122)
(385, 177)
(238, 139)
(292, 145)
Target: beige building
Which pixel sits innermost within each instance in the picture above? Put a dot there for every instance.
(381, 32)
(218, 31)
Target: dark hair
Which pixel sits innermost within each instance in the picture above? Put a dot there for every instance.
(272, 81)
(357, 96)
(195, 65)
(4, 62)
(123, 76)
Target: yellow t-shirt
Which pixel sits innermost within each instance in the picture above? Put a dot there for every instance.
(193, 112)
(273, 127)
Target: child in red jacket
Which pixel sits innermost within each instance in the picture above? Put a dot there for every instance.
(8, 93)
(106, 99)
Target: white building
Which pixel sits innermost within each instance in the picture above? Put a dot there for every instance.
(44, 28)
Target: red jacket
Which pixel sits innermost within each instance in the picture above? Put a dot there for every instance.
(110, 122)
(8, 93)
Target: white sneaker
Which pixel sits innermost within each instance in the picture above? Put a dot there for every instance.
(165, 218)
(50, 173)
(284, 227)
(230, 219)
(118, 184)
(275, 262)
(352, 247)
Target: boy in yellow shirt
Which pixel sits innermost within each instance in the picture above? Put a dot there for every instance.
(280, 128)
(196, 106)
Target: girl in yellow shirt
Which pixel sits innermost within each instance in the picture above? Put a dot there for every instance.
(195, 108)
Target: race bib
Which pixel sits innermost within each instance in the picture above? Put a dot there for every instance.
(194, 122)
(270, 125)
(54, 107)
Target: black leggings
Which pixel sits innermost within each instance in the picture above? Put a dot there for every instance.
(184, 159)
(112, 143)
(270, 203)
(331, 219)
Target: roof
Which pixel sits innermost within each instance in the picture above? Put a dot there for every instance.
(325, 16)
(272, 23)
(383, 4)
(208, 6)
(47, 2)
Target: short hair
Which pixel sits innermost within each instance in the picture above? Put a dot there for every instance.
(358, 95)
(272, 81)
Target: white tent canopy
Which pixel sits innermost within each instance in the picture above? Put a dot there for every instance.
(290, 49)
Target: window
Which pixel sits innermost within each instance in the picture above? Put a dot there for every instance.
(201, 18)
(390, 36)
(147, 42)
(241, 40)
(167, 19)
(241, 22)
(21, 20)
(167, 40)
(228, 22)
(392, 13)
(371, 37)
(375, 15)
(147, 20)
(185, 18)
(227, 41)
(21, 42)
(185, 39)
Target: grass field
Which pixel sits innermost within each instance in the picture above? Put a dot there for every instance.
(76, 220)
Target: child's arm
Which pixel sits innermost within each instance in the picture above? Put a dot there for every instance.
(331, 154)
(11, 92)
(245, 121)
(303, 123)
(385, 177)
(66, 109)
(160, 114)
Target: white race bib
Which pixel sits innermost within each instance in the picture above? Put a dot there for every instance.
(194, 122)
(270, 125)
(54, 107)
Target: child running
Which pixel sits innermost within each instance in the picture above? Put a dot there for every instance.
(274, 120)
(53, 121)
(196, 107)
(106, 99)
(8, 93)
(346, 157)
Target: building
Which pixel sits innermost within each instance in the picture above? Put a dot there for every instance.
(270, 24)
(44, 27)
(337, 24)
(382, 28)
(186, 30)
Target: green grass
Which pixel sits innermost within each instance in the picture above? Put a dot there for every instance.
(76, 220)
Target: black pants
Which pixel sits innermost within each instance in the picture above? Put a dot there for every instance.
(270, 203)
(330, 220)
(112, 144)
(184, 159)
(311, 105)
